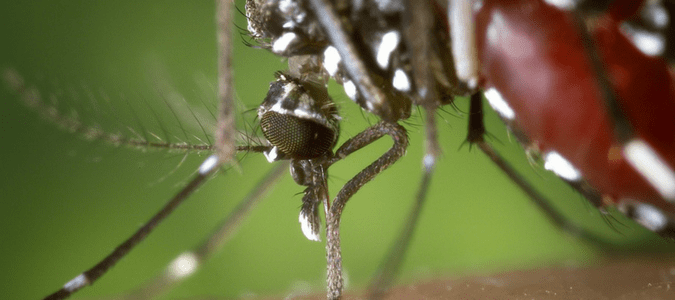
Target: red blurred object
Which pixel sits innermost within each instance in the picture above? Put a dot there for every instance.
(532, 53)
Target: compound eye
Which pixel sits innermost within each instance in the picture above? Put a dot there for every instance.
(297, 138)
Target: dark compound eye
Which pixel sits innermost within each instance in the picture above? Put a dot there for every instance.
(298, 118)
(297, 138)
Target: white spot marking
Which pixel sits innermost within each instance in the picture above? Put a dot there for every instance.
(401, 81)
(477, 5)
(652, 167)
(301, 113)
(306, 226)
(460, 17)
(282, 43)
(387, 46)
(272, 155)
(563, 4)
(285, 6)
(553, 161)
(76, 283)
(208, 165)
(370, 106)
(429, 162)
(649, 43)
(289, 88)
(499, 104)
(251, 29)
(277, 106)
(650, 217)
(331, 59)
(288, 25)
(350, 89)
(657, 14)
(184, 265)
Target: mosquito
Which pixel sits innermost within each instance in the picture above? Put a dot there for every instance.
(277, 242)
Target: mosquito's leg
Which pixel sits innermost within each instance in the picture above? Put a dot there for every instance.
(418, 33)
(225, 152)
(31, 98)
(476, 137)
(661, 222)
(187, 262)
(388, 270)
(208, 167)
(399, 135)
(225, 133)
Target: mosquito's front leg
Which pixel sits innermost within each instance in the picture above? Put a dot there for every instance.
(225, 152)
(400, 137)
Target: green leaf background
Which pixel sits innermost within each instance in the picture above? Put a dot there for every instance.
(66, 202)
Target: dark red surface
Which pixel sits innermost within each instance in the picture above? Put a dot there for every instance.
(532, 53)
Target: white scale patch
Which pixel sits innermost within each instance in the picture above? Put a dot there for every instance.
(184, 265)
(272, 155)
(350, 89)
(301, 113)
(307, 228)
(556, 163)
(563, 4)
(657, 14)
(331, 59)
(429, 162)
(387, 46)
(277, 108)
(370, 106)
(76, 283)
(289, 88)
(251, 29)
(208, 165)
(288, 25)
(401, 81)
(499, 104)
(282, 43)
(650, 217)
(649, 43)
(652, 167)
(285, 6)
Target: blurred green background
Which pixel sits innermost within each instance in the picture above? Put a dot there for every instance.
(66, 202)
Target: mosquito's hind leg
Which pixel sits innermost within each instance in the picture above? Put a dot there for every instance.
(476, 136)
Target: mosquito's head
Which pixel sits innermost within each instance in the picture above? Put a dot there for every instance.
(298, 118)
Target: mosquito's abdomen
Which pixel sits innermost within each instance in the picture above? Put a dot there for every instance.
(533, 56)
